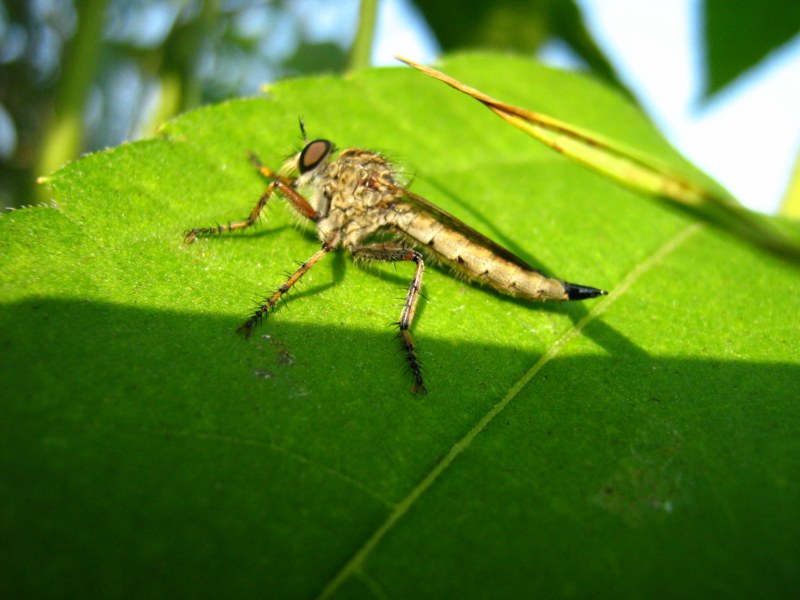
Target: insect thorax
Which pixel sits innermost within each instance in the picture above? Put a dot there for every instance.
(350, 196)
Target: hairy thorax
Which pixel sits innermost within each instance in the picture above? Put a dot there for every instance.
(352, 196)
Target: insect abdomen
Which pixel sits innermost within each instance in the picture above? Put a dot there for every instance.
(478, 262)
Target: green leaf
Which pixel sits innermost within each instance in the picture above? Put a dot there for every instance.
(642, 173)
(790, 205)
(642, 443)
(739, 34)
(519, 25)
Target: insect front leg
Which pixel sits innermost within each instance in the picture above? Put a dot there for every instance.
(299, 203)
(269, 303)
(397, 253)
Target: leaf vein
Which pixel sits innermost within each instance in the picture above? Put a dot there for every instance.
(355, 564)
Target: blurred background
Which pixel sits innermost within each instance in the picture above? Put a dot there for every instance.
(721, 78)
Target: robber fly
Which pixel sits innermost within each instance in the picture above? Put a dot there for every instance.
(353, 197)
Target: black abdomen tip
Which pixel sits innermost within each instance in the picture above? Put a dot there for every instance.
(582, 292)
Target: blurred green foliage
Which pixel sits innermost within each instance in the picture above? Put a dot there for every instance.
(76, 76)
(149, 60)
(519, 25)
(739, 34)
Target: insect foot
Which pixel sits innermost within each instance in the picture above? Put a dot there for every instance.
(246, 328)
(418, 387)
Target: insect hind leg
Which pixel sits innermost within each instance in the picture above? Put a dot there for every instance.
(398, 253)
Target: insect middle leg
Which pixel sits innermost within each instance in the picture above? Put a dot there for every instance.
(269, 303)
(397, 253)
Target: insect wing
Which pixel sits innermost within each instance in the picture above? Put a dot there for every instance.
(458, 225)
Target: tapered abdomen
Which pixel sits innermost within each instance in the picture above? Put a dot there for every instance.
(481, 263)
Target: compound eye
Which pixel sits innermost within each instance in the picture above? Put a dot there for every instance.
(313, 154)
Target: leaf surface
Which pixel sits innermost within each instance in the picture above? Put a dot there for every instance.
(622, 447)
